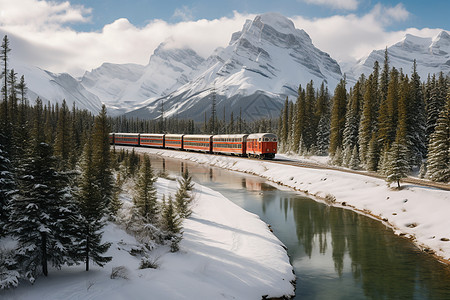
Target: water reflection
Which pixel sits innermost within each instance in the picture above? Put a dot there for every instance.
(336, 253)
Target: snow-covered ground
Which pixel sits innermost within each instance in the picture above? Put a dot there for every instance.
(226, 253)
(417, 212)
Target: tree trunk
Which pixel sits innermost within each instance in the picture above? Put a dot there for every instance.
(398, 183)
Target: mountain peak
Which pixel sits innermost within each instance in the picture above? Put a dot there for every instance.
(277, 21)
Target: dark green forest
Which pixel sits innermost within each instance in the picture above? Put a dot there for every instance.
(389, 122)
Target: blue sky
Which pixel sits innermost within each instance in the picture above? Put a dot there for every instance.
(432, 14)
(78, 35)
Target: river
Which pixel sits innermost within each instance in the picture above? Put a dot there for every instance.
(336, 253)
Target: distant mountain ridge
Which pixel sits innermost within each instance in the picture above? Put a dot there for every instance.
(263, 64)
(432, 55)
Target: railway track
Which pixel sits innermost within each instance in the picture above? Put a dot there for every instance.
(312, 165)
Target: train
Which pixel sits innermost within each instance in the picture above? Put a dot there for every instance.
(257, 145)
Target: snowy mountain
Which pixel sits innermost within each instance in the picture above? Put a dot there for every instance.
(262, 65)
(431, 54)
(53, 88)
(128, 86)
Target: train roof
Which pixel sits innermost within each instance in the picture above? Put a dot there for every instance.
(230, 136)
(125, 133)
(195, 136)
(173, 135)
(153, 134)
(260, 135)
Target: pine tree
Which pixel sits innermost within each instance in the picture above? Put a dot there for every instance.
(373, 154)
(299, 119)
(7, 184)
(183, 197)
(101, 156)
(172, 224)
(43, 214)
(439, 147)
(145, 199)
(5, 49)
(323, 135)
(416, 122)
(285, 124)
(352, 118)
(434, 102)
(368, 122)
(397, 165)
(63, 142)
(338, 117)
(388, 115)
(92, 208)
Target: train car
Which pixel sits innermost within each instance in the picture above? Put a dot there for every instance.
(173, 141)
(262, 145)
(130, 139)
(152, 140)
(197, 142)
(230, 144)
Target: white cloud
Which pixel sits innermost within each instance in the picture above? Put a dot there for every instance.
(350, 37)
(45, 39)
(42, 37)
(338, 4)
(41, 13)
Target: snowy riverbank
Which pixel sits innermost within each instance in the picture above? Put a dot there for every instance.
(226, 252)
(417, 212)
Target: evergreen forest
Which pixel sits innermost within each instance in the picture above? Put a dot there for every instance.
(389, 122)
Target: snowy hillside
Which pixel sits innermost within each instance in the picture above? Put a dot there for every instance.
(431, 54)
(263, 63)
(56, 87)
(126, 87)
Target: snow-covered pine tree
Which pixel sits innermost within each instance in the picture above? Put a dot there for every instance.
(397, 165)
(352, 117)
(323, 135)
(172, 224)
(42, 214)
(7, 184)
(416, 122)
(9, 275)
(93, 210)
(373, 154)
(368, 122)
(183, 196)
(354, 160)
(145, 199)
(438, 162)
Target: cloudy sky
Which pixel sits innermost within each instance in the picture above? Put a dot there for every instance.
(78, 35)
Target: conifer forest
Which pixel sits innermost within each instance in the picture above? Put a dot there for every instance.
(390, 122)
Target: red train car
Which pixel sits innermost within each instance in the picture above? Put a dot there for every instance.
(230, 144)
(262, 145)
(173, 141)
(152, 140)
(197, 142)
(130, 139)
